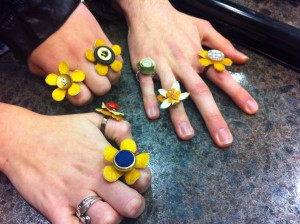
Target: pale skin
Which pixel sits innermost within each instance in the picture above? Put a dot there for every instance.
(176, 54)
(57, 164)
(173, 40)
(181, 37)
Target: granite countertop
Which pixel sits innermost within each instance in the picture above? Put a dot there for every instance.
(256, 180)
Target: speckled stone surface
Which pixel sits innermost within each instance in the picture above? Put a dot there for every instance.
(256, 180)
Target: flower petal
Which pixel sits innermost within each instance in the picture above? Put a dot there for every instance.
(104, 111)
(51, 79)
(116, 49)
(161, 98)
(101, 69)
(176, 86)
(165, 104)
(142, 160)
(74, 89)
(63, 68)
(89, 54)
(109, 153)
(226, 61)
(132, 176)
(116, 66)
(203, 53)
(163, 92)
(219, 66)
(183, 96)
(59, 94)
(128, 144)
(205, 62)
(111, 174)
(77, 76)
(99, 43)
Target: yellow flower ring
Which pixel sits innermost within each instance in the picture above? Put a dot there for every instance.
(171, 97)
(215, 58)
(109, 110)
(104, 56)
(124, 162)
(66, 81)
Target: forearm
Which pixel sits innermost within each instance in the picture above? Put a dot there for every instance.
(137, 9)
(15, 124)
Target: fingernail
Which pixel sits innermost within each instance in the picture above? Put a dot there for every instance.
(186, 129)
(251, 106)
(153, 112)
(224, 137)
(245, 57)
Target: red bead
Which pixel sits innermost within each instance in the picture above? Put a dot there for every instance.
(112, 105)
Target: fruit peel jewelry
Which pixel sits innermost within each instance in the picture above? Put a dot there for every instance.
(66, 81)
(171, 97)
(104, 57)
(124, 162)
(215, 58)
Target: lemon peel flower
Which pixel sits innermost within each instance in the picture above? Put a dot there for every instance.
(109, 110)
(171, 97)
(66, 81)
(215, 58)
(124, 162)
(104, 56)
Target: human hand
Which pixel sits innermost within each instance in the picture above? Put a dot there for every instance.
(173, 40)
(69, 43)
(56, 164)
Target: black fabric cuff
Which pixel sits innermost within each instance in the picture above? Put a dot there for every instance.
(25, 24)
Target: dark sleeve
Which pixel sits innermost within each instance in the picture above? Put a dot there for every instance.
(25, 24)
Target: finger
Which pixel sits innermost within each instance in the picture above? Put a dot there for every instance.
(102, 212)
(149, 97)
(114, 130)
(215, 40)
(181, 123)
(143, 183)
(124, 199)
(238, 94)
(83, 97)
(98, 84)
(202, 97)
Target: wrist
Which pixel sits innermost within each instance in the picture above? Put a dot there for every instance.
(137, 8)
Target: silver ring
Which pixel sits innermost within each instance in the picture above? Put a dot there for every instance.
(84, 206)
(138, 77)
(103, 124)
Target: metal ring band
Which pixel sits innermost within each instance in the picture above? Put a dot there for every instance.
(103, 124)
(138, 77)
(83, 207)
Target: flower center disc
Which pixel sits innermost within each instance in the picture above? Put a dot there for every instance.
(146, 66)
(64, 81)
(215, 55)
(124, 160)
(104, 55)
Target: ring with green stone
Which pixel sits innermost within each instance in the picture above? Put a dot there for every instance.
(146, 66)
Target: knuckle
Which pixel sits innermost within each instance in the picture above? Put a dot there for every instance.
(135, 207)
(102, 90)
(199, 89)
(111, 219)
(126, 128)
